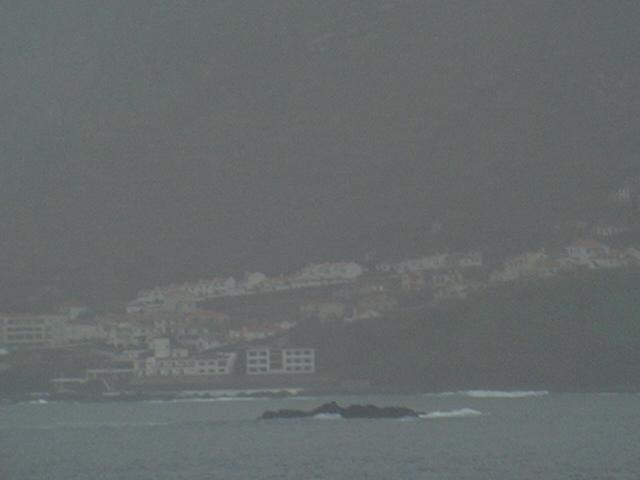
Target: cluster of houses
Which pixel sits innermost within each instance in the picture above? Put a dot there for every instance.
(173, 366)
(173, 332)
(455, 277)
(145, 346)
(356, 293)
(589, 254)
(365, 292)
(182, 296)
(445, 277)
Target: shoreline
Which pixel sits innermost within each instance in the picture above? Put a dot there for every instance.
(294, 393)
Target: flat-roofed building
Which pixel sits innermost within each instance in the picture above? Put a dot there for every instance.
(27, 330)
(221, 363)
(177, 362)
(264, 361)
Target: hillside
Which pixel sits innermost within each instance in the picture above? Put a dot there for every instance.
(574, 333)
(151, 142)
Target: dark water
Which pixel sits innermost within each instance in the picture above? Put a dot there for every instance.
(534, 437)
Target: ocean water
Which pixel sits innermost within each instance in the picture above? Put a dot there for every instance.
(465, 435)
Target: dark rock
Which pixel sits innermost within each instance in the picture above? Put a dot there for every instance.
(352, 411)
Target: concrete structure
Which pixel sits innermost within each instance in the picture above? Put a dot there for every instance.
(78, 332)
(219, 363)
(110, 375)
(222, 363)
(265, 361)
(26, 330)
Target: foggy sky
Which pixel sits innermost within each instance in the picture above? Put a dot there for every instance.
(151, 141)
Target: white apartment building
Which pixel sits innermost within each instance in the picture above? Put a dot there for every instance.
(265, 361)
(24, 331)
(169, 361)
(221, 363)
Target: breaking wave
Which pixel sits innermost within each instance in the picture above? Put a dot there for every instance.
(460, 413)
(491, 393)
(207, 399)
(504, 394)
(328, 416)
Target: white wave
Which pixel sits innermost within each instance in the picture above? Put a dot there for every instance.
(328, 416)
(461, 413)
(504, 394)
(208, 399)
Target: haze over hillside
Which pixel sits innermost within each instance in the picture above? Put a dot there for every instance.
(145, 142)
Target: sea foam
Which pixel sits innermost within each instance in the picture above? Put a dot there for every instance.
(504, 394)
(328, 416)
(460, 413)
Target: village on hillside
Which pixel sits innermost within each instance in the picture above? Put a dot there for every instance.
(223, 332)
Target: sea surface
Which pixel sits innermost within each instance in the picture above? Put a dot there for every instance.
(463, 435)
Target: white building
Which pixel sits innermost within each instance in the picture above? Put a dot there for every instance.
(596, 255)
(168, 361)
(222, 363)
(253, 280)
(265, 361)
(74, 332)
(110, 375)
(129, 334)
(24, 331)
(329, 273)
(585, 251)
